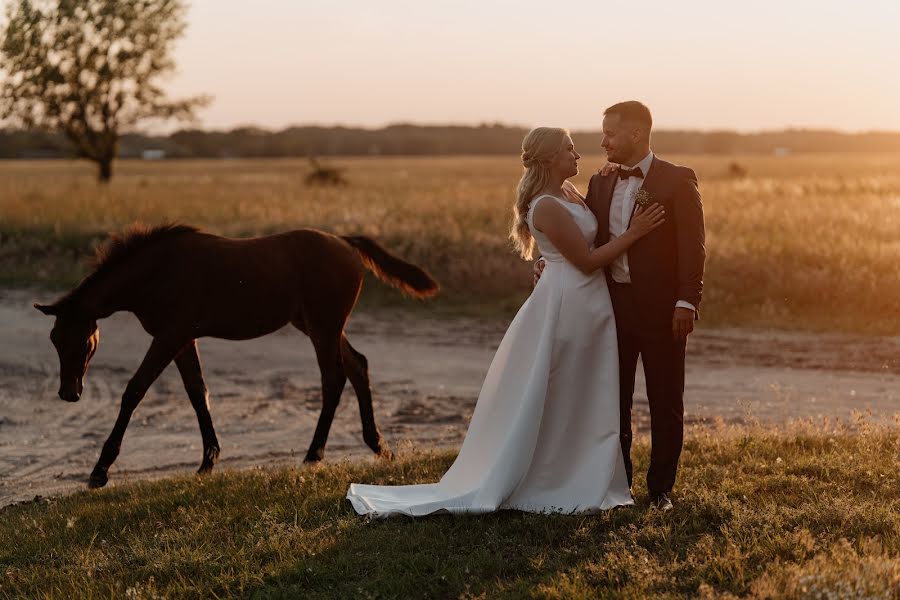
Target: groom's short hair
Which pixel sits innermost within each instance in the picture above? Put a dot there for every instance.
(631, 110)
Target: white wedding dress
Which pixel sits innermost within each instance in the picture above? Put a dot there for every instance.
(544, 436)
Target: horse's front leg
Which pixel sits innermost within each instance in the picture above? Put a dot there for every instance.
(188, 362)
(161, 352)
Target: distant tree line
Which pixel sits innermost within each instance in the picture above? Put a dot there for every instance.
(413, 140)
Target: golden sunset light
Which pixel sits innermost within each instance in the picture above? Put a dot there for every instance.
(450, 299)
(701, 64)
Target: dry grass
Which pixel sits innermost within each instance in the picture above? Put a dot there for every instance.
(809, 511)
(802, 242)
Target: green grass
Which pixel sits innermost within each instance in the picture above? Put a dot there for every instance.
(811, 511)
(803, 242)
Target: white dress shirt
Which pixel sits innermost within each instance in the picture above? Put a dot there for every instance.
(620, 209)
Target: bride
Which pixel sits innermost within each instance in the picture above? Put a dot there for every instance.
(544, 436)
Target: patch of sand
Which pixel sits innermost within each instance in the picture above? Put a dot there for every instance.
(426, 374)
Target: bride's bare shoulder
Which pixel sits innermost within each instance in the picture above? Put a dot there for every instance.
(572, 192)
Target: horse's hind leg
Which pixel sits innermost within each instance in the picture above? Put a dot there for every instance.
(328, 355)
(188, 362)
(357, 368)
(161, 352)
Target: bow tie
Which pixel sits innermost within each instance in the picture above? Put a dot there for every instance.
(626, 173)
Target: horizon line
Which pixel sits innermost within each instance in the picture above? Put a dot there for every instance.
(501, 125)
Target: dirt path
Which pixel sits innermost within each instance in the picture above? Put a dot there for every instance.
(425, 374)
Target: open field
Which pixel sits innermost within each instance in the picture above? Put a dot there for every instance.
(809, 242)
(805, 512)
(766, 506)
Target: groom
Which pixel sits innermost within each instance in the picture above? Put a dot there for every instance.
(655, 287)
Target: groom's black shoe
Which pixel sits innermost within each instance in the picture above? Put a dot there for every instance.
(661, 501)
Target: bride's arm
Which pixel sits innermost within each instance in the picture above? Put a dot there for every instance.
(557, 224)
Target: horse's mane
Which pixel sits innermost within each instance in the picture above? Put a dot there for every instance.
(119, 248)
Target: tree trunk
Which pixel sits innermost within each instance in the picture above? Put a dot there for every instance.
(104, 166)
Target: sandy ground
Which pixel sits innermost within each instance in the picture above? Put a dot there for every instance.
(426, 374)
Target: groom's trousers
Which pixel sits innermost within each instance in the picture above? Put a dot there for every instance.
(663, 360)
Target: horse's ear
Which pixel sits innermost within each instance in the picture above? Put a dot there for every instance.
(51, 309)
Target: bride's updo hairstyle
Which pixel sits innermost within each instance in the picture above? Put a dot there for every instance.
(539, 148)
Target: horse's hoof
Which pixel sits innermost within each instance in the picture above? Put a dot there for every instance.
(97, 480)
(314, 457)
(210, 458)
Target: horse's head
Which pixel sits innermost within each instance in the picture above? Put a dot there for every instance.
(76, 339)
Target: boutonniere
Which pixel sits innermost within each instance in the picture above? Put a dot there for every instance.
(643, 198)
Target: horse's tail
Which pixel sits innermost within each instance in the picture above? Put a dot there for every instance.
(405, 276)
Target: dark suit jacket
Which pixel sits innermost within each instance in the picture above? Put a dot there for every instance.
(666, 265)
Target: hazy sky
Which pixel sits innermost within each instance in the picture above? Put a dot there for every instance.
(698, 64)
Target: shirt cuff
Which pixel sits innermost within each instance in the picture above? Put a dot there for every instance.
(685, 304)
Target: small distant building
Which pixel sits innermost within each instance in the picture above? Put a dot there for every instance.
(782, 151)
(153, 154)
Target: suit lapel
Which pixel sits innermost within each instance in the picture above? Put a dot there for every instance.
(652, 184)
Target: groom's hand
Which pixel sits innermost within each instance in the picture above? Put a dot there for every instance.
(538, 269)
(682, 322)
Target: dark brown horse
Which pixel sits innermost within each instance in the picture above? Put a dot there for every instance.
(183, 284)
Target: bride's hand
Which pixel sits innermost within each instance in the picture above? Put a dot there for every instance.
(538, 269)
(647, 219)
(608, 168)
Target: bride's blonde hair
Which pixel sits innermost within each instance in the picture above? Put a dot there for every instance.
(539, 148)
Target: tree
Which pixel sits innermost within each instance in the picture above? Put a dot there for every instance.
(90, 69)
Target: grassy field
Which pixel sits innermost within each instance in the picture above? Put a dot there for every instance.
(810, 511)
(808, 242)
